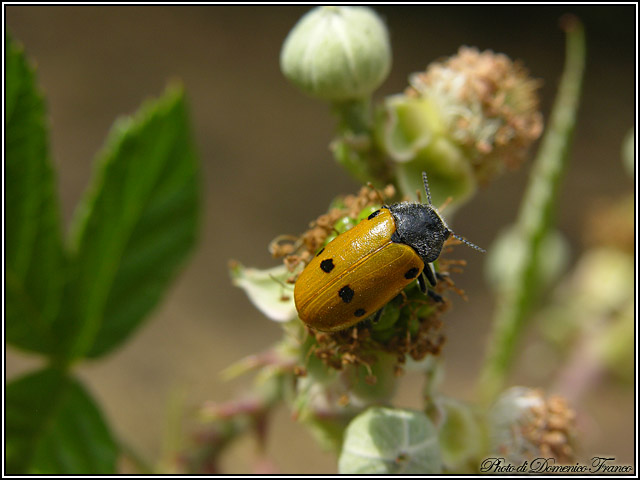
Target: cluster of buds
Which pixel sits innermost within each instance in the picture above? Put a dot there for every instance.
(464, 119)
(524, 425)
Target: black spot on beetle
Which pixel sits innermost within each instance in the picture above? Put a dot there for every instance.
(359, 312)
(373, 215)
(346, 294)
(327, 265)
(321, 250)
(411, 273)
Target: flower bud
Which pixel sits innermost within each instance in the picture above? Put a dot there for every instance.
(524, 425)
(489, 105)
(337, 53)
(460, 435)
(389, 441)
(462, 120)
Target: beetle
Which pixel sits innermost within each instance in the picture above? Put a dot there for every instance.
(361, 270)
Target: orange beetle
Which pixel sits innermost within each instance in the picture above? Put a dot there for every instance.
(361, 270)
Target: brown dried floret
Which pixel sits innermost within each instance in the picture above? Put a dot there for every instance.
(358, 345)
(490, 104)
(551, 429)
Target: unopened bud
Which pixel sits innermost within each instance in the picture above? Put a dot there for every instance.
(337, 53)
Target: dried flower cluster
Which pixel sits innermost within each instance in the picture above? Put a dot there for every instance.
(415, 334)
(525, 425)
(550, 429)
(489, 104)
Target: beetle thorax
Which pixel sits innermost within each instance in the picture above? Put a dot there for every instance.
(421, 227)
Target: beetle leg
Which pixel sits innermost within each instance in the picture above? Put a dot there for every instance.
(430, 273)
(372, 319)
(421, 283)
(435, 296)
(431, 276)
(377, 316)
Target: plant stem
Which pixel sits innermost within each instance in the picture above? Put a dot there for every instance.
(535, 217)
(354, 147)
(354, 116)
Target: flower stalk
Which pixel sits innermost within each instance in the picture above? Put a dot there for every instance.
(354, 148)
(536, 217)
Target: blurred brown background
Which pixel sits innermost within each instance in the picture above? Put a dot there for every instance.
(267, 170)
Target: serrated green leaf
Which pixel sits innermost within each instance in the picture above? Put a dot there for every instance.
(34, 256)
(135, 225)
(54, 427)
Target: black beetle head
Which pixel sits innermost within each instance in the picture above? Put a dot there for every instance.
(422, 228)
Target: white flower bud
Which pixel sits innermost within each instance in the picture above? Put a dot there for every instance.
(337, 53)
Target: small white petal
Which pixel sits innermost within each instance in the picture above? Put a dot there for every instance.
(267, 290)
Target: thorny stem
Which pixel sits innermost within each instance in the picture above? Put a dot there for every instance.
(535, 217)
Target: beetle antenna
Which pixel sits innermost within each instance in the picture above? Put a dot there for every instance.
(426, 186)
(468, 243)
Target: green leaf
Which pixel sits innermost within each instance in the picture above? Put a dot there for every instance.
(54, 427)
(34, 256)
(135, 225)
